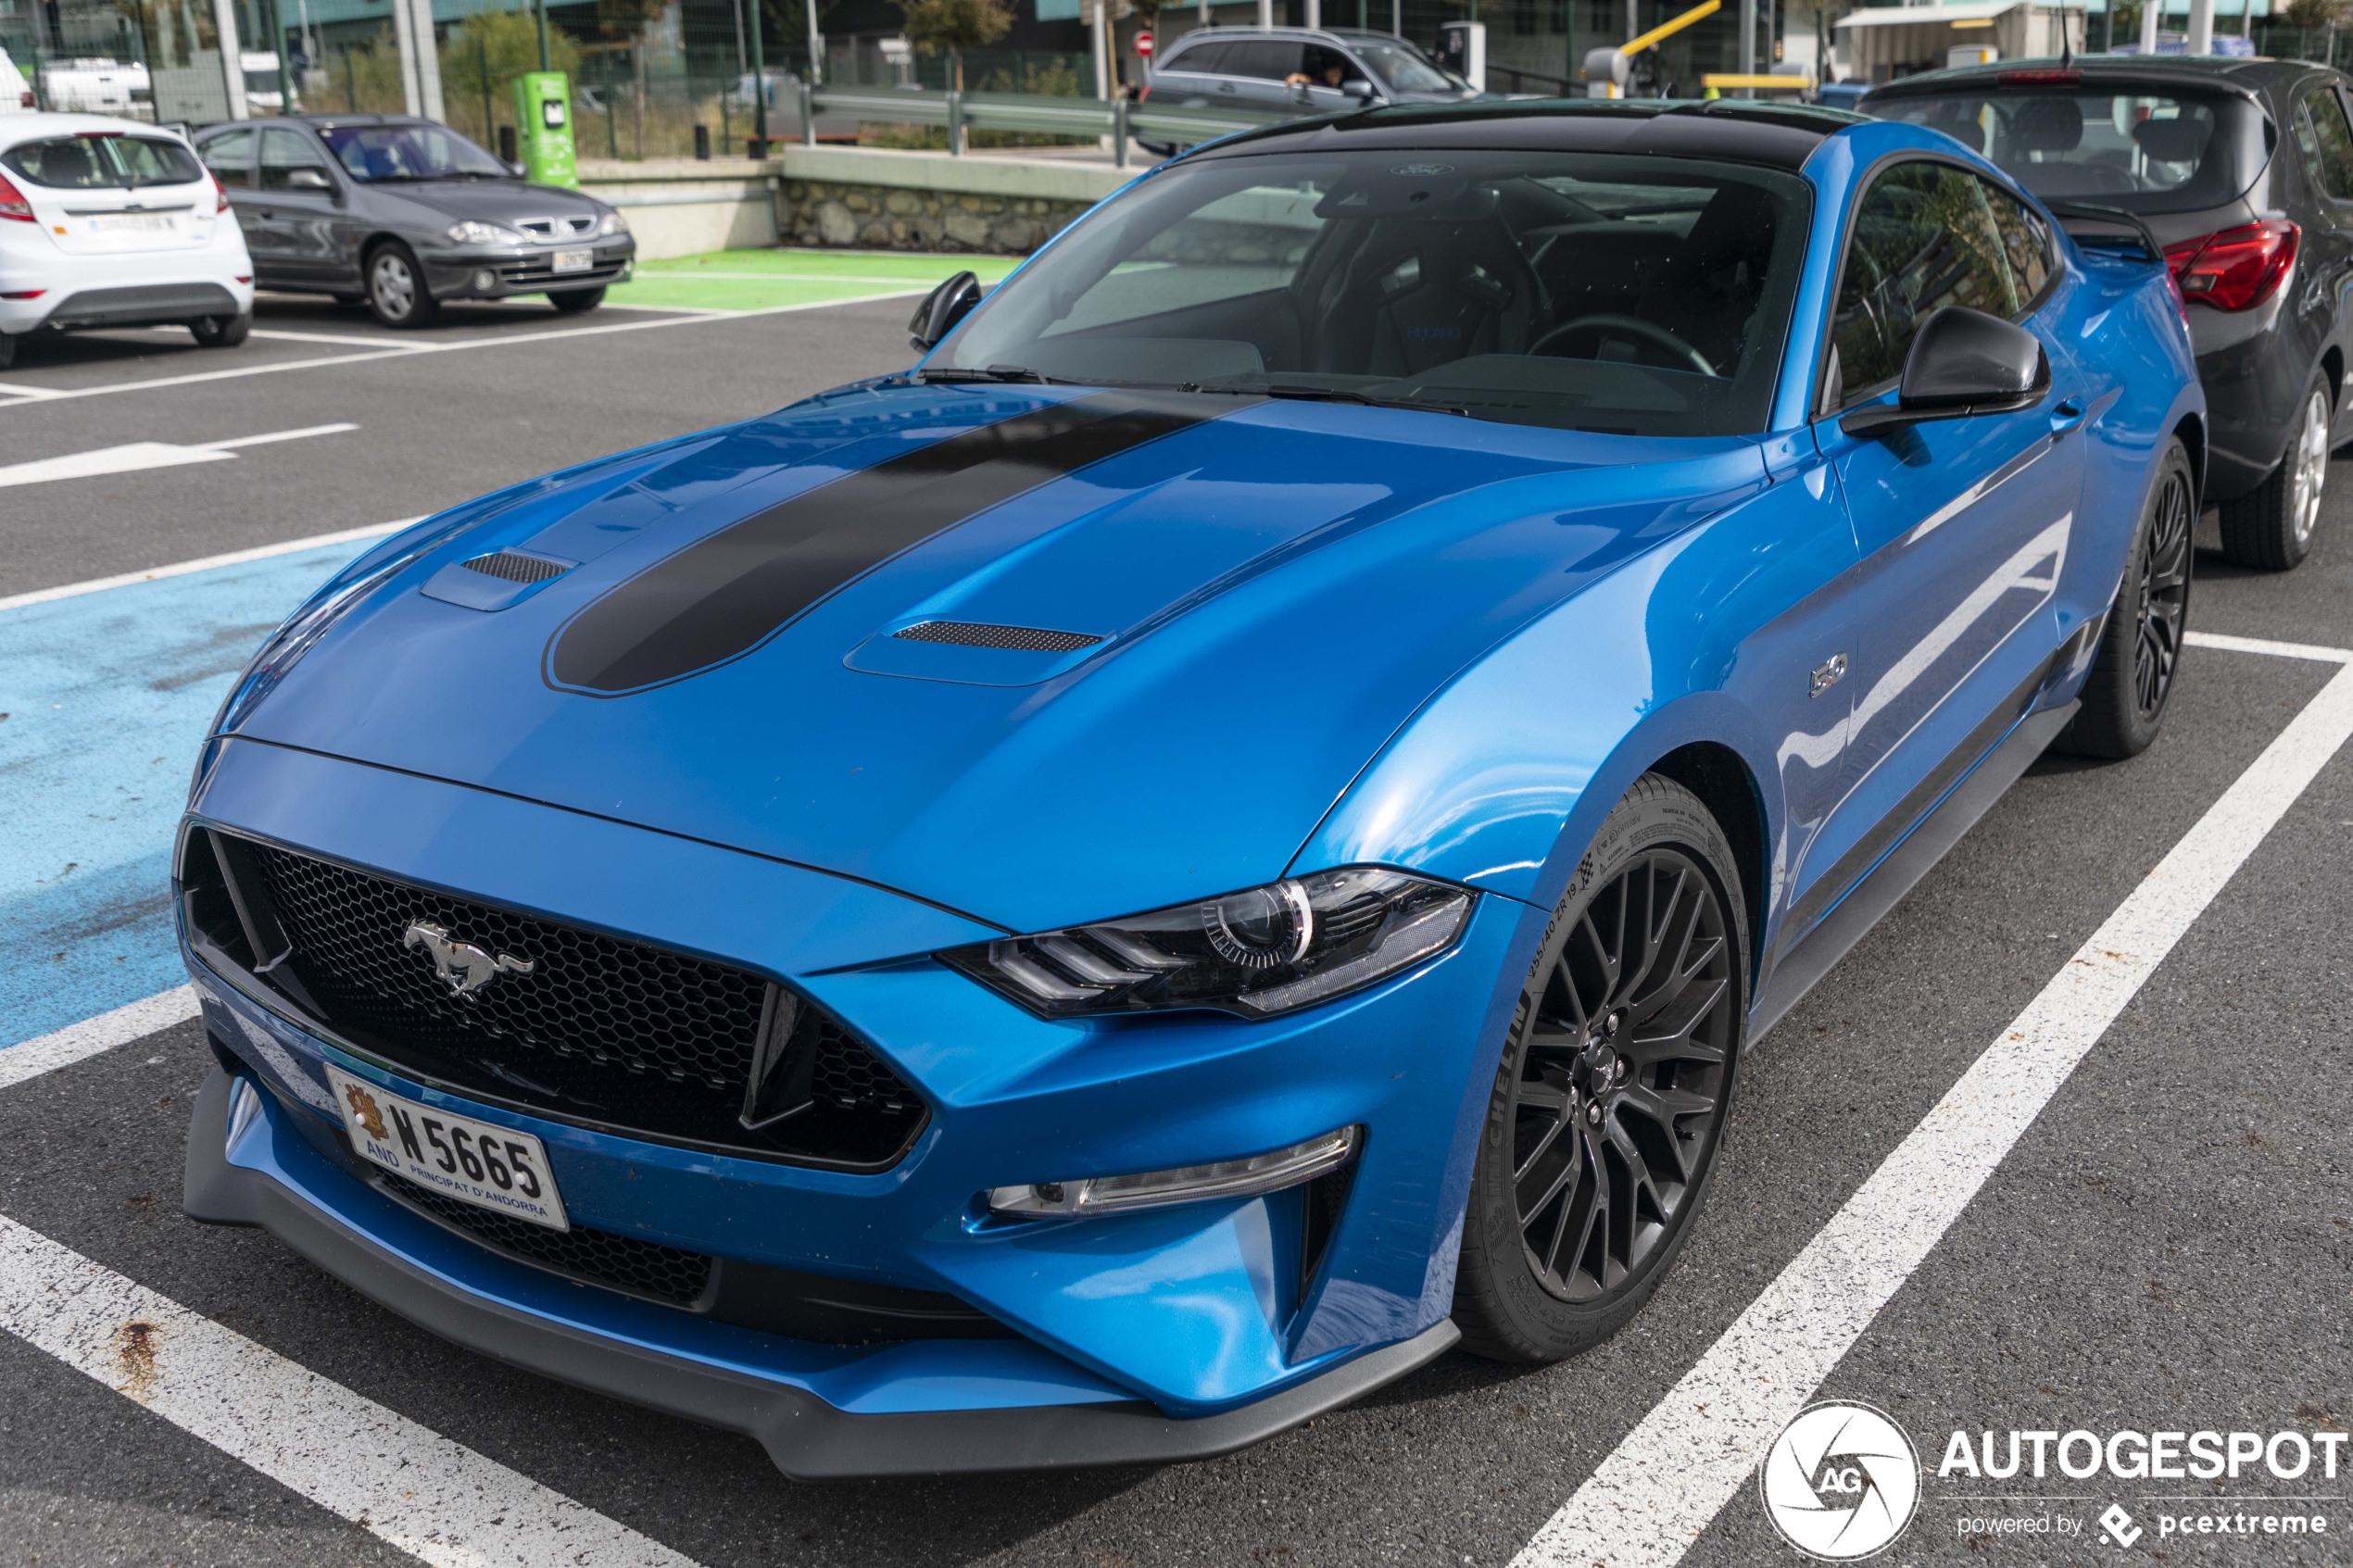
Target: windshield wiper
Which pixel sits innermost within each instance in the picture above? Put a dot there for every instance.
(1332, 395)
(953, 373)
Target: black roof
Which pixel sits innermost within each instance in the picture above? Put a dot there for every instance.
(1732, 129)
(2250, 76)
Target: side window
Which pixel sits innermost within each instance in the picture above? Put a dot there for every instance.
(2328, 142)
(1270, 58)
(1924, 238)
(2026, 240)
(282, 152)
(231, 157)
(1201, 57)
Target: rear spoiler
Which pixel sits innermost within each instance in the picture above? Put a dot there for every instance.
(2106, 220)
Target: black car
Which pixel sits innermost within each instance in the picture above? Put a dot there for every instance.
(404, 214)
(2242, 171)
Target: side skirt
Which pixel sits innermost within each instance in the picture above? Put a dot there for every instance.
(1901, 867)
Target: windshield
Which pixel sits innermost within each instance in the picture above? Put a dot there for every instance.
(2142, 151)
(1638, 296)
(104, 161)
(1401, 70)
(410, 152)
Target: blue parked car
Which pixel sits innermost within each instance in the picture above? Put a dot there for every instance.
(1228, 832)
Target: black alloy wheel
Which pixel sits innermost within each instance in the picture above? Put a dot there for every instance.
(2139, 651)
(1604, 1119)
(2162, 597)
(220, 332)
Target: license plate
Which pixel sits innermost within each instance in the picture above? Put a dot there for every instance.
(491, 1167)
(134, 223)
(575, 260)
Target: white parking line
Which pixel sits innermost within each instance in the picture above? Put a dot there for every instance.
(203, 563)
(10, 389)
(142, 454)
(2223, 642)
(408, 350)
(1651, 1497)
(400, 1482)
(45, 1053)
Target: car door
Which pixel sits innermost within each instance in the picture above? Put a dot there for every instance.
(2325, 259)
(1963, 525)
(301, 209)
(231, 157)
(1192, 78)
(1263, 68)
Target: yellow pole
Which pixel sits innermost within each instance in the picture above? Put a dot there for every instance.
(1668, 28)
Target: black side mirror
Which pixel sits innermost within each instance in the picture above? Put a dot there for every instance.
(942, 309)
(1962, 362)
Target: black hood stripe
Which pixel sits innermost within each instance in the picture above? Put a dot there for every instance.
(723, 596)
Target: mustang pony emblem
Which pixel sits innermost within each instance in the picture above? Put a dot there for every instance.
(466, 967)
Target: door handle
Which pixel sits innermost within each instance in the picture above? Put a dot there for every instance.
(2067, 416)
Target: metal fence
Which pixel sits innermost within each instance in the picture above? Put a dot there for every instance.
(960, 115)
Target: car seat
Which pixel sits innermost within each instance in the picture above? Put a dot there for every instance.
(1709, 288)
(67, 164)
(1401, 296)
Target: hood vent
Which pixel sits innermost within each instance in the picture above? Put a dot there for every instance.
(974, 634)
(516, 568)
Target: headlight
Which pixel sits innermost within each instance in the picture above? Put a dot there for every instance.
(614, 223)
(1263, 951)
(470, 232)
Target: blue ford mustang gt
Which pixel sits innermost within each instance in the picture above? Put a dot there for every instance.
(1088, 901)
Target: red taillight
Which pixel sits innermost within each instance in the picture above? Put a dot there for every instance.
(13, 204)
(25, 100)
(218, 190)
(25, 293)
(2236, 270)
(2040, 79)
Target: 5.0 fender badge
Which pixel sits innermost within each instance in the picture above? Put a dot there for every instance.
(464, 967)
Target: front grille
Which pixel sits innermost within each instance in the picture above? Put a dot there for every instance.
(668, 1274)
(513, 568)
(978, 635)
(564, 1021)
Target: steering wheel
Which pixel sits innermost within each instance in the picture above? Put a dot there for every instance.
(1630, 324)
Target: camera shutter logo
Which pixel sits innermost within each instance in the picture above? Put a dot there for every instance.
(1841, 1481)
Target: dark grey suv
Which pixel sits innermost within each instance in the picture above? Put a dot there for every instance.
(404, 214)
(2242, 170)
(1300, 70)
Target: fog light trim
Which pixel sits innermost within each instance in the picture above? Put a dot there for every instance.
(1246, 1177)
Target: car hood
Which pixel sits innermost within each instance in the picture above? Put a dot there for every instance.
(1155, 635)
(489, 201)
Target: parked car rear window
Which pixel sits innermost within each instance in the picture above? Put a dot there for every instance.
(386, 153)
(1630, 295)
(2155, 151)
(83, 163)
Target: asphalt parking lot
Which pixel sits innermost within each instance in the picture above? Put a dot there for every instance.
(2168, 1243)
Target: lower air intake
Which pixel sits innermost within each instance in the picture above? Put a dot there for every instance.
(976, 634)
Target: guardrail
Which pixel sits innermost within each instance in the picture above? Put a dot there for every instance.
(961, 112)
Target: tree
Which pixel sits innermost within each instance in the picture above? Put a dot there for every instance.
(489, 49)
(956, 26)
(2314, 14)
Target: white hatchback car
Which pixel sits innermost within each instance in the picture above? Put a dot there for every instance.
(108, 222)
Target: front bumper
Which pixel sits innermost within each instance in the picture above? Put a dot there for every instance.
(498, 274)
(270, 1177)
(1200, 1311)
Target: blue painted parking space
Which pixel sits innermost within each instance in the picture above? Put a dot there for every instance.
(104, 698)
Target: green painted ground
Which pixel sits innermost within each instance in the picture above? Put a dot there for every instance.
(757, 279)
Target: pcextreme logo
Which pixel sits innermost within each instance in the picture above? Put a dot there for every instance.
(1841, 1481)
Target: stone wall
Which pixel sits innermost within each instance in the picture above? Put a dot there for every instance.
(818, 212)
